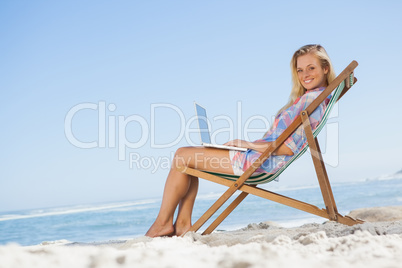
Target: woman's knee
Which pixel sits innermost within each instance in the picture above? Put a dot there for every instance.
(181, 157)
(182, 151)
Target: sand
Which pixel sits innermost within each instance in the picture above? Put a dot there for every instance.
(376, 243)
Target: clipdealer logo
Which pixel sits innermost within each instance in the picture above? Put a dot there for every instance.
(112, 132)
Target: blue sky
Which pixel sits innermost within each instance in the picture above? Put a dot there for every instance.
(141, 64)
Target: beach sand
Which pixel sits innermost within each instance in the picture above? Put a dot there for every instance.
(376, 243)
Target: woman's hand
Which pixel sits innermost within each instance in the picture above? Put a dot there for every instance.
(257, 146)
(238, 143)
(260, 146)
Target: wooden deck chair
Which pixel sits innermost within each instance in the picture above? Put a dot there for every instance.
(247, 183)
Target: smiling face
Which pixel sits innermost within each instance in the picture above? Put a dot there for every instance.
(310, 73)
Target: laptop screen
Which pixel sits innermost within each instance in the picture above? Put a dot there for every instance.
(203, 123)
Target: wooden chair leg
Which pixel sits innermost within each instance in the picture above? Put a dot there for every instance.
(207, 215)
(319, 168)
(229, 192)
(328, 184)
(225, 213)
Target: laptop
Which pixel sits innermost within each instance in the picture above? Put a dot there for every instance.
(202, 120)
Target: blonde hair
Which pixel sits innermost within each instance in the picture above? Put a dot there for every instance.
(297, 89)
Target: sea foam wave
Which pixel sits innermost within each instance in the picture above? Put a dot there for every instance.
(73, 210)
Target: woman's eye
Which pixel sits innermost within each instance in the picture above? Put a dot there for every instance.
(299, 71)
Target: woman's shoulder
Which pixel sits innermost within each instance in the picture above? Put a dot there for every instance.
(308, 97)
(313, 93)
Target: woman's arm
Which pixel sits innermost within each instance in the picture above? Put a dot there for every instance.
(260, 146)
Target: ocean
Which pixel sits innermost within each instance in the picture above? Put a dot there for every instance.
(98, 223)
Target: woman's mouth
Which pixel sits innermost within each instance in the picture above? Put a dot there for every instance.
(308, 81)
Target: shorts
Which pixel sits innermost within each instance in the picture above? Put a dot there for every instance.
(237, 170)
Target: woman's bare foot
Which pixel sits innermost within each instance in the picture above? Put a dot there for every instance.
(181, 229)
(160, 230)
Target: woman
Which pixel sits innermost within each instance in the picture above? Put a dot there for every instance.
(312, 71)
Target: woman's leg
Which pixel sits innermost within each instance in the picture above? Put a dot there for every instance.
(176, 187)
(183, 220)
(181, 188)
